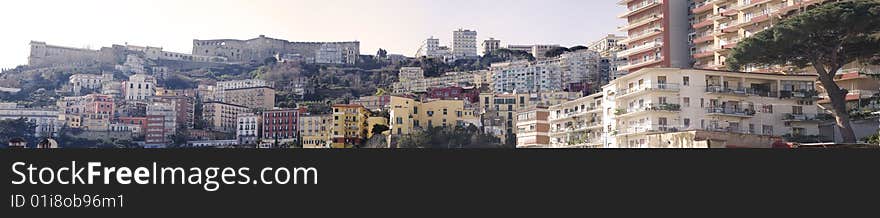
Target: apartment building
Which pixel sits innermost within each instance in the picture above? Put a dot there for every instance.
(139, 87)
(184, 108)
(863, 88)
(608, 46)
(572, 71)
(538, 51)
(46, 121)
(161, 123)
(464, 44)
(280, 128)
(533, 128)
(407, 74)
(349, 125)
(262, 97)
(409, 115)
(577, 123)
(499, 110)
(91, 112)
(373, 103)
(657, 33)
(248, 130)
(718, 25)
(315, 130)
(610, 62)
(222, 117)
(664, 100)
(448, 79)
(93, 82)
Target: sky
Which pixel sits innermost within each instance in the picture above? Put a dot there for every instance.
(399, 26)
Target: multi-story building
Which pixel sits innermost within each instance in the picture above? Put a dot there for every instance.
(315, 130)
(140, 122)
(248, 130)
(464, 44)
(718, 25)
(373, 103)
(657, 33)
(161, 124)
(410, 74)
(862, 87)
(280, 128)
(577, 123)
(409, 115)
(467, 94)
(254, 98)
(499, 110)
(184, 107)
(663, 100)
(533, 128)
(491, 45)
(46, 121)
(571, 71)
(92, 82)
(448, 79)
(91, 112)
(608, 46)
(222, 117)
(349, 125)
(139, 87)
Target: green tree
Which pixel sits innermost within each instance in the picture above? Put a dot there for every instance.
(826, 38)
(18, 128)
(556, 52)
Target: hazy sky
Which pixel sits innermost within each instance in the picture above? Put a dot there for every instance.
(399, 26)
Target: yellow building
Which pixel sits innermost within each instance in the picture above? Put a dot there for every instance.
(315, 130)
(373, 122)
(349, 125)
(408, 115)
(499, 110)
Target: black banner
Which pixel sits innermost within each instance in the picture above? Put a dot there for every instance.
(431, 182)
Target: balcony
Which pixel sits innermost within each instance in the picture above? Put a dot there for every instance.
(649, 108)
(643, 34)
(644, 6)
(640, 22)
(667, 87)
(727, 91)
(703, 23)
(641, 48)
(703, 8)
(705, 53)
(641, 63)
(799, 94)
(733, 112)
(708, 37)
(647, 129)
(799, 117)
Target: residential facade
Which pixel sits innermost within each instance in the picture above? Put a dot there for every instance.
(139, 87)
(533, 128)
(491, 45)
(664, 100)
(657, 33)
(409, 115)
(280, 128)
(222, 117)
(315, 130)
(248, 130)
(349, 125)
(464, 44)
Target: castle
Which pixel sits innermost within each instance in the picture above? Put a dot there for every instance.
(204, 51)
(262, 48)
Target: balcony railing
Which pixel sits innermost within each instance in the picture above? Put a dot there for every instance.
(731, 111)
(657, 87)
(795, 117)
(650, 107)
(640, 48)
(648, 129)
(803, 94)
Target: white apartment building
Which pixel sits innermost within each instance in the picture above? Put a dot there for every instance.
(549, 75)
(464, 44)
(608, 45)
(446, 80)
(46, 121)
(664, 100)
(219, 89)
(577, 123)
(140, 87)
(89, 81)
(432, 45)
(248, 131)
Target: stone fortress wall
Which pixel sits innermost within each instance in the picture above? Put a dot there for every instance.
(262, 47)
(45, 55)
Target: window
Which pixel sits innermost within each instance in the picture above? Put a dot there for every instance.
(686, 81)
(686, 101)
(687, 123)
(767, 130)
